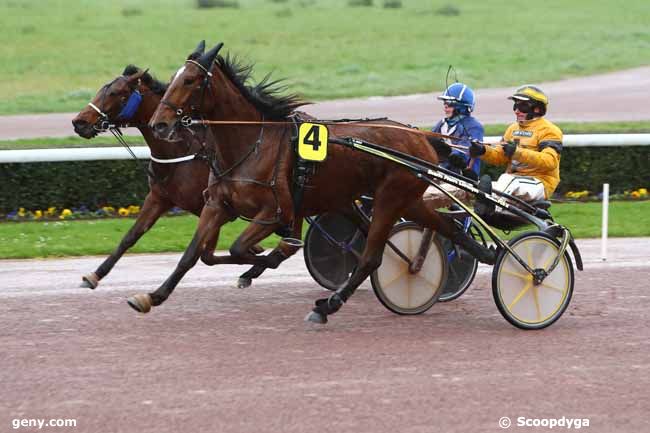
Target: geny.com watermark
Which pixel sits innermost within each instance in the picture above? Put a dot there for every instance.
(17, 423)
(564, 422)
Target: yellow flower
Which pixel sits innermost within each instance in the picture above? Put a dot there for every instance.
(134, 210)
(643, 192)
(635, 194)
(38, 214)
(123, 212)
(65, 213)
(108, 209)
(21, 212)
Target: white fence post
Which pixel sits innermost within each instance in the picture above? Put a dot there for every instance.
(603, 243)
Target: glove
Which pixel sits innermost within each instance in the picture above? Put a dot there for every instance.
(476, 148)
(509, 148)
(456, 160)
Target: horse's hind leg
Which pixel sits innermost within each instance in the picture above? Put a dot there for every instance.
(152, 209)
(205, 237)
(421, 213)
(386, 211)
(283, 253)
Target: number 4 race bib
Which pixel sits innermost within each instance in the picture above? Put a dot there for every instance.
(312, 142)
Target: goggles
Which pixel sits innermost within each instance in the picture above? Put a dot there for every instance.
(522, 106)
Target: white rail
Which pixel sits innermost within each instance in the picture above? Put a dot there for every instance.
(142, 152)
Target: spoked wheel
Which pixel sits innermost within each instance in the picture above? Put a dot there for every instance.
(401, 291)
(332, 260)
(523, 303)
(462, 266)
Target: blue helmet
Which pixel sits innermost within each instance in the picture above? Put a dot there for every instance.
(460, 96)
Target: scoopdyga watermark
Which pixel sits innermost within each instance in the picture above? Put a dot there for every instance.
(550, 423)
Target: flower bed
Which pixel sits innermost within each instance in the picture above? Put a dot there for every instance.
(52, 213)
(585, 195)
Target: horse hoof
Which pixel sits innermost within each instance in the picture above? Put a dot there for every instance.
(89, 281)
(140, 303)
(315, 317)
(242, 283)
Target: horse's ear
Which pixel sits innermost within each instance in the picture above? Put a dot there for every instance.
(207, 59)
(198, 51)
(200, 48)
(137, 75)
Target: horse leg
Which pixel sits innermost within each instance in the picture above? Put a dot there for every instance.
(428, 218)
(152, 209)
(246, 279)
(205, 237)
(240, 250)
(387, 211)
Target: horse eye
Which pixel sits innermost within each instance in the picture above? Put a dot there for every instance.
(188, 81)
(112, 94)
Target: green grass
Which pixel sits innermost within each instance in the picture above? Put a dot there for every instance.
(57, 53)
(91, 237)
(106, 140)
(626, 218)
(76, 238)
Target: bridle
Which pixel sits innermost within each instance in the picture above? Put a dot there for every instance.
(186, 120)
(127, 111)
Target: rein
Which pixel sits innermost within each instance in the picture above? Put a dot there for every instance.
(332, 122)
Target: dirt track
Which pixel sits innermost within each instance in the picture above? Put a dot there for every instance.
(219, 359)
(616, 96)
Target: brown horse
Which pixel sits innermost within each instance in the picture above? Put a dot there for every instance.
(172, 183)
(255, 180)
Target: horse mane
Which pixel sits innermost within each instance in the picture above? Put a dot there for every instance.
(266, 94)
(158, 87)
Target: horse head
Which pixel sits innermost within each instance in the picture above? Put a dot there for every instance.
(186, 92)
(116, 101)
(128, 98)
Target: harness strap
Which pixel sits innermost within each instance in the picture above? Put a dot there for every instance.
(301, 167)
(173, 160)
(101, 113)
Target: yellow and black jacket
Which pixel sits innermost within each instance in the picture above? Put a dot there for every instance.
(537, 155)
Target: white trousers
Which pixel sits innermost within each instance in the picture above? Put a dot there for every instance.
(436, 199)
(526, 188)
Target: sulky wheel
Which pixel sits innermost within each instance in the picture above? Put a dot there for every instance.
(462, 266)
(524, 304)
(401, 291)
(332, 245)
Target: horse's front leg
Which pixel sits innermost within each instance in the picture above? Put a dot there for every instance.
(205, 237)
(283, 251)
(154, 206)
(240, 250)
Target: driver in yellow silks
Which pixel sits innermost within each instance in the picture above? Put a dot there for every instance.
(530, 147)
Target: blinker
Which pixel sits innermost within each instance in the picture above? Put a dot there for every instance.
(131, 106)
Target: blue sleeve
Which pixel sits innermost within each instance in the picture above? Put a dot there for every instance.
(472, 130)
(437, 127)
(475, 131)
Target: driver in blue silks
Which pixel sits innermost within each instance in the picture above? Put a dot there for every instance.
(459, 102)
